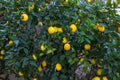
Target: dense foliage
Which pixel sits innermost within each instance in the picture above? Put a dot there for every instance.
(49, 39)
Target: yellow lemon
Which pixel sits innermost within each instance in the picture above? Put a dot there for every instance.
(34, 57)
(99, 71)
(64, 40)
(58, 67)
(105, 78)
(24, 17)
(40, 69)
(96, 78)
(11, 42)
(42, 48)
(34, 78)
(31, 7)
(118, 29)
(55, 28)
(93, 61)
(44, 63)
(59, 29)
(67, 47)
(87, 47)
(51, 30)
(1, 57)
(89, 1)
(73, 28)
(20, 73)
(2, 52)
(101, 28)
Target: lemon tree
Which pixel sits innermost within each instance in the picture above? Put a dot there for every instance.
(49, 39)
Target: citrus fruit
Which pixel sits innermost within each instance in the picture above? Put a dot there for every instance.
(34, 79)
(59, 29)
(2, 52)
(58, 67)
(105, 78)
(67, 47)
(24, 17)
(93, 61)
(87, 47)
(31, 7)
(40, 69)
(101, 28)
(1, 57)
(51, 30)
(20, 73)
(99, 71)
(34, 57)
(96, 78)
(11, 42)
(44, 63)
(64, 40)
(118, 29)
(73, 28)
(42, 48)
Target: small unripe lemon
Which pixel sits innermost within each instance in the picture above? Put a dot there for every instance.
(11, 42)
(40, 23)
(2, 52)
(99, 71)
(44, 63)
(51, 30)
(1, 57)
(24, 17)
(20, 73)
(58, 67)
(87, 47)
(93, 61)
(42, 48)
(31, 7)
(105, 78)
(34, 78)
(34, 57)
(67, 47)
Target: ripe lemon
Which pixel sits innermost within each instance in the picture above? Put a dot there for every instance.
(87, 47)
(40, 69)
(118, 29)
(34, 57)
(42, 48)
(96, 78)
(2, 52)
(55, 28)
(51, 30)
(93, 61)
(105, 78)
(101, 28)
(60, 30)
(58, 67)
(99, 72)
(1, 57)
(20, 73)
(73, 28)
(64, 40)
(81, 60)
(44, 63)
(24, 17)
(11, 42)
(31, 7)
(67, 47)
(89, 1)
(34, 78)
